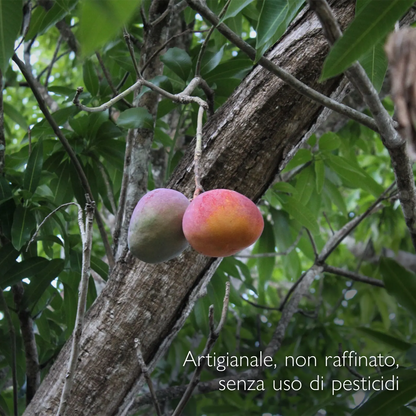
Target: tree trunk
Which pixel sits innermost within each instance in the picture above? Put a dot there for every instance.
(246, 143)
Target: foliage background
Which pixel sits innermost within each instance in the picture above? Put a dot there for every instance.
(331, 179)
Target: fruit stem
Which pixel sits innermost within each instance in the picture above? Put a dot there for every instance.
(198, 152)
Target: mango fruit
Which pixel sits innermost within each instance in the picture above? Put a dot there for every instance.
(155, 232)
(221, 222)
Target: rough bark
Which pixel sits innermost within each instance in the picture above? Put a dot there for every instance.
(246, 143)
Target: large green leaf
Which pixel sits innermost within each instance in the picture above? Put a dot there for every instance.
(320, 175)
(15, 115)
(375, 65)
(265, 265)
(102, 20)
(34, 168)
(354, 175)
(400, 283)
(90, 78)
(387, 402)
(273, 13)
(305, 185)
(292, 10)
(178, 61)
(387, 339)
(5, 189)
(10, 23)
(24, 269)
(301, 214)
(135, 118)
(43, 19)
(40, 282)
(370, 25)
(23, 223)
(235, 7)
(8, 255)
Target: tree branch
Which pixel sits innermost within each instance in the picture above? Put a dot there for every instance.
(81, 174)
(86, 234)
(300, 87)
(395, 144)
(353, 276)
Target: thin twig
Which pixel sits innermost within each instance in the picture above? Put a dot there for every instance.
(54, 57)
(299, 86)
(256, 305)
(146, 375)
(109, 80)
(290, 291)
(13, 350)
(315, 251)
(198, 153)
(131, 51)
(353, 276)
(47, 217)
(180, 98)
(86, 234)
(336, 239)
(214, 333)
(328, 222)
(56, 60)
(80, 171)
(204, 45)
(163, 15)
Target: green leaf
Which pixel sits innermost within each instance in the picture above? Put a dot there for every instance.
(15, 115)
(23, 223)
(391, 341)
(354, 175)
(135, 118)
(320, 175)
(22, 270)
(34, 168)
(40, 282)
(43, 19)
(100, 21)
(99, 267)
(11, 14)
(301, 214)
(235, 7)
(329, 141)
(387, 402)
(178, 61)
(294, 6)
(211, 61)
(335, 196)
(285, 187)
(305, 184)
(5, 189)
(90, 78)
(370, 25)
(273, 13)
(375, 65)
(400, 283)
(265, 265)
(8, 255)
